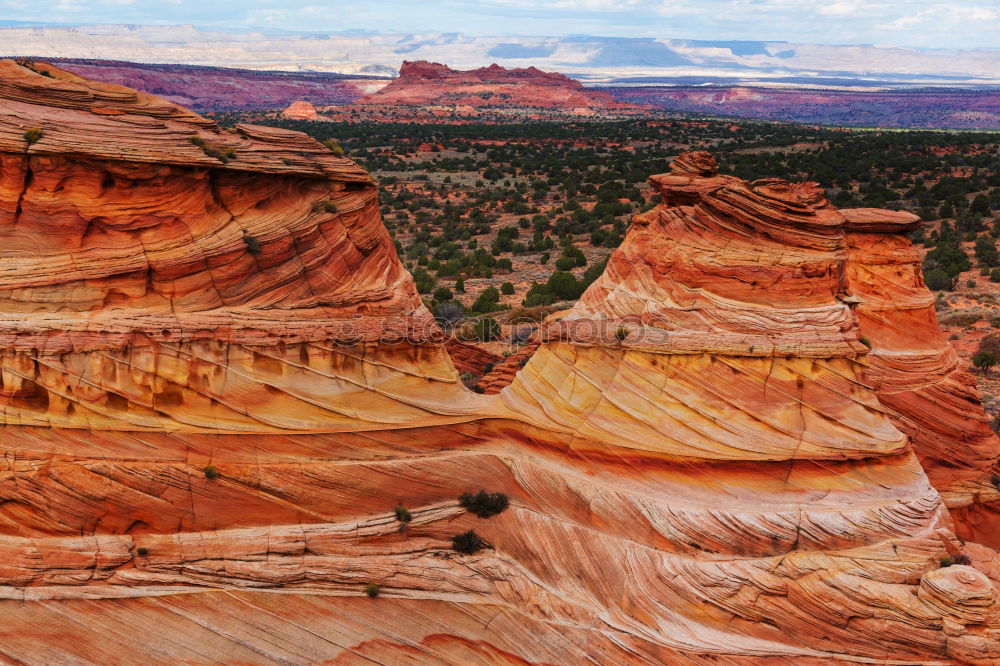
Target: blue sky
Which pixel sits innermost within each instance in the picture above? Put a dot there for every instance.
(917, 23)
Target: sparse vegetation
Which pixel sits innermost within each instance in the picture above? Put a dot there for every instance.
(484, 504)
(468, 543)
(253, 245)
(865, 341)
(142, 551)
(949, 560)
(403, 514)
(211, 472)
(621, 334)
(223, 154)
(487, 329)
(372, 590)
(334, 147)
(984, 361)
(33, 135)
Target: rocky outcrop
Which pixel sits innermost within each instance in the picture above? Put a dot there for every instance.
(469, 358)
(931, 396)
(428, 84)
(219, 388)
(503, 372)
(722, 342)
(163, 274)
(300, 110)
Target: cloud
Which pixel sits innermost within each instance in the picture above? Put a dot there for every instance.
(843, 8)
(920, 23)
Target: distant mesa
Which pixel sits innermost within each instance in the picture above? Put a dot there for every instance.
(431, 84)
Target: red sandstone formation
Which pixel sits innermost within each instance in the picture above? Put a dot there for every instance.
(931, 396)
(300, 110)
(503, 372)
(218, 383)
(468, 358)
(428, 84)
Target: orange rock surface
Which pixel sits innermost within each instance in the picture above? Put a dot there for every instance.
(300, 110)
(699, 465)
(468, 358)
(504, 371)
(931, 396)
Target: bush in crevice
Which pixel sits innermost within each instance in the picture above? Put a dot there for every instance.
(468, 543)
(948, 560)
(211, 472)
(33, 134)
(372, 590)
(484, 504)
(253, 245)
(334, 147)
(142, 551)
(403, 514)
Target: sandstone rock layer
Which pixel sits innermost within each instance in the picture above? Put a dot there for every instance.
(219, 383)
(423, 84)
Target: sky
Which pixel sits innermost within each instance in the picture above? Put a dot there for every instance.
(932, 24)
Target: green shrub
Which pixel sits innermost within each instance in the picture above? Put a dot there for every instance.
(507, 288)
(487, 329)
(984, 360)
(33, 134)
(621, 334)
(372, 590)
(334, 147)
(468, 542)
(995, 275)
(948, 560)
(484, 504)
(329, 207)
(142, 551)
(403, 514)
(865, 341)
(936, 280)
(211, 472)
(253, 245)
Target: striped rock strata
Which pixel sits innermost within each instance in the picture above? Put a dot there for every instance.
(698, 468)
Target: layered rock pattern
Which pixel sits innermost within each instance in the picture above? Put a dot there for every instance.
(931, 396)
(699, 467)
(425, 84)
(159, 273)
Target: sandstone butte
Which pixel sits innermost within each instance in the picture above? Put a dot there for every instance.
(300, 110)
(426, 84)
(747, 443)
